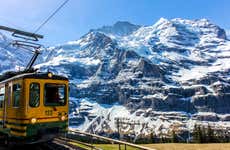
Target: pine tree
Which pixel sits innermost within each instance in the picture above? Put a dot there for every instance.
(210, 135)
(197, 134)
(162, 139)
(203, 138)
(153, 137)
(174, 137)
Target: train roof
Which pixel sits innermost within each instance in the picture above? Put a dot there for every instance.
(34, 75)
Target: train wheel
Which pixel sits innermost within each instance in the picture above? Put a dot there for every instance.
(4, 140)
(7, 141)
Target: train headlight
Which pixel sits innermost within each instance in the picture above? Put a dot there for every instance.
(33, 120)
(50, 75)
(62, 118)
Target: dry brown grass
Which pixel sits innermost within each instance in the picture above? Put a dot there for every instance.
(172, 146)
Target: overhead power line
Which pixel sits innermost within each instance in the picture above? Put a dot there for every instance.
(24, 34)
(62, 5)
(48, 18)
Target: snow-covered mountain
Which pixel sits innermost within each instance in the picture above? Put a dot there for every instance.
(158, 78)
(11, 58)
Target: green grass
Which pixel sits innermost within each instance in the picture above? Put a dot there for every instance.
(81, 146)
(113, 147)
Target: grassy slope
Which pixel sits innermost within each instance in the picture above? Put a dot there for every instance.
(171, 146)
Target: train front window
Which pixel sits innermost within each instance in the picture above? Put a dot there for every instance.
(34, 95)
(55, 94)
(16, 94)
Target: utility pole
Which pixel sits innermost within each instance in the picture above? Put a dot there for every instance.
(118, 130)
(118, 127)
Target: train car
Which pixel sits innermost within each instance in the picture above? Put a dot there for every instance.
(33, 107)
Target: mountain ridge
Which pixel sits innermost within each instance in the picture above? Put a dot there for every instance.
(174, 71)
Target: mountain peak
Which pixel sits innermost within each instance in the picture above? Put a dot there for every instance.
(161, 21)
(120, 28)
(198, 26)
(121, 24)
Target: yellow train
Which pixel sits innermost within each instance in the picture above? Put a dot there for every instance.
(33, 107)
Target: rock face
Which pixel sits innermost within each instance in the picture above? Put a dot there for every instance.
(176, 66)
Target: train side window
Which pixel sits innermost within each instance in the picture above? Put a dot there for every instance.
(2, 96)
(34, 95)
(55, 95)
(16, 94)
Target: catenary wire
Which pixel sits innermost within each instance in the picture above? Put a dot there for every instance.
(58, 9)
(50, 17)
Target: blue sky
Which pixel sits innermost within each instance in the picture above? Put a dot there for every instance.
(79, 16)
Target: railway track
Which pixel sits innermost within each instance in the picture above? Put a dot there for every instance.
(56, 144)
(66, 143)
(71, 143)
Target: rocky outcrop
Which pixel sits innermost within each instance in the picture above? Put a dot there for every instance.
(149, 70)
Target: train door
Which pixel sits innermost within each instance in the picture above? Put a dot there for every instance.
(6, 102)
(2, 98)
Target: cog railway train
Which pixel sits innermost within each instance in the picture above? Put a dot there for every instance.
(33, 107)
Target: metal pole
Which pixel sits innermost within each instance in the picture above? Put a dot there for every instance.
(118, 128)
(91, 142)
(20, 32)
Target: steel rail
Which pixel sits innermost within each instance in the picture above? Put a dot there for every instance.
(78, 142)
(67, 144)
